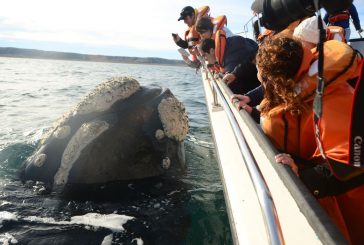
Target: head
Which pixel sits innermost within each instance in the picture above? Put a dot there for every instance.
(188, 16)
(205, 27)
(278, 61)
(207, 48)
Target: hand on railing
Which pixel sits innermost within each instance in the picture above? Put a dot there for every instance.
(242, 101)
(228, 78)
(286, 159)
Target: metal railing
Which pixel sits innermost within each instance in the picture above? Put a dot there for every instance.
(266, 202)
(250, 24)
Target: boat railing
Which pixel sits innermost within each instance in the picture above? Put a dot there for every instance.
(326, 231)
(264, 196)
(250, 24)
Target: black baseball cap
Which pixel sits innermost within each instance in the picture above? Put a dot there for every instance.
(186, 11)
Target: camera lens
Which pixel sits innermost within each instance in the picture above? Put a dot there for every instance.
(278, 14)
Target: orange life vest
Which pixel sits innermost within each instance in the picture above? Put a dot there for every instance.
(219, 22)
(343, 15)
(295, 134)
(220, 44)
(335, 33)
(191, 35)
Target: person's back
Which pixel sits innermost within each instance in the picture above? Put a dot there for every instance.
(238, 59)
(342, 19)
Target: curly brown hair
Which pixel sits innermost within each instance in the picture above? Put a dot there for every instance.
(278, 60)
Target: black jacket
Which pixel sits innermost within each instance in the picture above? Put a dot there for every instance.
(238, 59)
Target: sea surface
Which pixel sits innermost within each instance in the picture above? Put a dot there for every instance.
(187, 210)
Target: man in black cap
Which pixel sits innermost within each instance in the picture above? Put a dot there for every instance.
(190, 15)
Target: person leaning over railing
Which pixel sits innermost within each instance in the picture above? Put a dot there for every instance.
(190, 15)
(233, 58)
(208, 27)
(288, 73)
(342, 19)
(308, 34)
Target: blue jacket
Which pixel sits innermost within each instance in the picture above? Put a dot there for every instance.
(346, 23)
(238, 59)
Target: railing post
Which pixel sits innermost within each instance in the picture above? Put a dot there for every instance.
(210, 78)
(214, 93)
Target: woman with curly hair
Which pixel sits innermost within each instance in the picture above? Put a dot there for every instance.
(288, 73)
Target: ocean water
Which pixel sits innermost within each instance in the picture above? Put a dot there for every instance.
(187, 210)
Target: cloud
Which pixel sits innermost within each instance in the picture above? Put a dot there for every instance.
(135, 24)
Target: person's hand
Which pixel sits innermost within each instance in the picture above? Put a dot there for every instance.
(360, 30)
(243, 102)
(229, 78)
(176, 38)
(286, 159)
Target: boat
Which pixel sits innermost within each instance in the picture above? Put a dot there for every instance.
(266, 202)
(358, 44)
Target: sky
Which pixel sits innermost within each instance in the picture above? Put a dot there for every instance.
(140, 28)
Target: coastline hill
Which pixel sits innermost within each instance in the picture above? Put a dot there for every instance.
(41, 54)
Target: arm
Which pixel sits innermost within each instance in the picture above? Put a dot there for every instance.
(354, 15)
(326, 18)
(252, 98)
(182, 43)
(256, 95)
(255, 115)
(179, 41)
(244, 70)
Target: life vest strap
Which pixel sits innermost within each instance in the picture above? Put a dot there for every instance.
(340, 170)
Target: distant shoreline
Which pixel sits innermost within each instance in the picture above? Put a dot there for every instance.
(11, 52)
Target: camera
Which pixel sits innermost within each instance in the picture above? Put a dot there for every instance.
(278, 14)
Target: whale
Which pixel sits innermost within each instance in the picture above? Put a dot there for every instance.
(120, 131)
